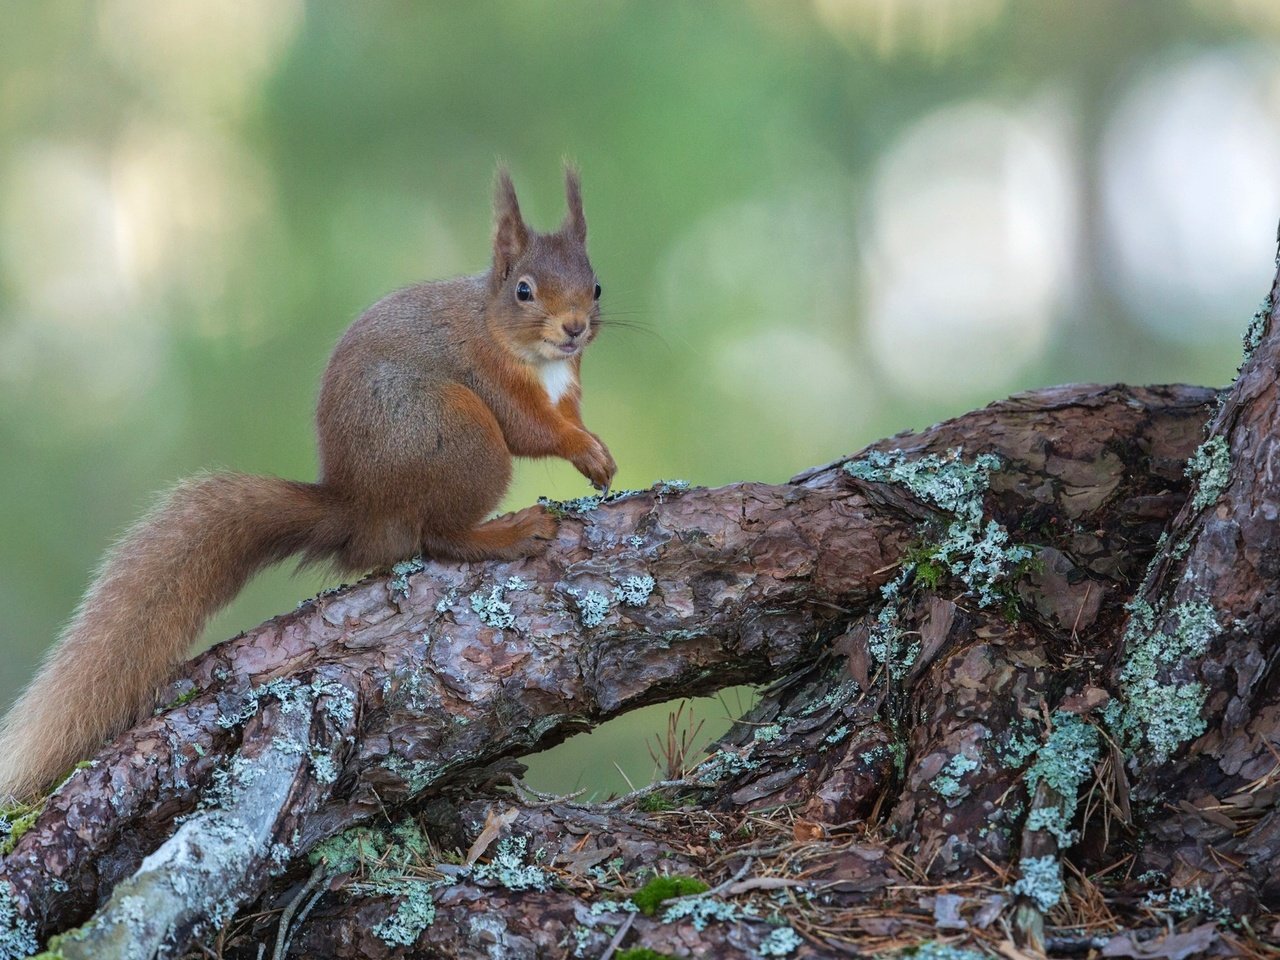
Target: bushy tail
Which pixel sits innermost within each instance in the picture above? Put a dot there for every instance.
(150, 600)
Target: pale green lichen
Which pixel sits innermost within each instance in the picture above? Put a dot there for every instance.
(593, 607)
(291, 694)
(493, 608)
(1020, 744)
(1257, 327)
(700, 911)
(416, 774)
(1051, 820)
(1158, 715)
(400, 574)
(449, 598)
(841, 693)
(337, 701)
(1184, 902)
(415, 912)
(1067, 757)
(835, 736)
(564, 508)
(1040, 882)
(947, 783)
(781, 942)
(323, 767)
(767, 733)
(950, 483)
(888, 643)
(634, 591)
(386, 858)
(933, 950)
(1062, 763)
(17, 934)
(509, 868)
(723, 764)
(978, 554)
(225, 782)
(1210, 469)
(667, 487)
(342, 852)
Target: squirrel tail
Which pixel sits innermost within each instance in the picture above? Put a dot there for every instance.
(151, 598)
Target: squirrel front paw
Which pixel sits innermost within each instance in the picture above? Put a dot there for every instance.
(595, 462)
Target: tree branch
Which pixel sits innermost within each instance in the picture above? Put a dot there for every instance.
(408, 689)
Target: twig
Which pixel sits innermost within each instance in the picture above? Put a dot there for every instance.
(536, 798)
(645, 791)
(616, 942)
(285, 918)
(302, 916)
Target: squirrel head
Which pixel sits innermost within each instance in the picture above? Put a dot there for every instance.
(544, 297)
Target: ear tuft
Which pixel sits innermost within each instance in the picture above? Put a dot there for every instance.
(575, 221)
(510, 234)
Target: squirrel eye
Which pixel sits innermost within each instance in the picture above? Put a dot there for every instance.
(524, 292)
(596, 293)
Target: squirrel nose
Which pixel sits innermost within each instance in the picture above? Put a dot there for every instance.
(575, 329)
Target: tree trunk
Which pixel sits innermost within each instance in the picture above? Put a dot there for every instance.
(1019, 696)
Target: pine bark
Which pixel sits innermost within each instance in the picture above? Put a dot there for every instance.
(888, 787)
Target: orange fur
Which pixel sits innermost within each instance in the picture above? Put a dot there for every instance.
(426, 399)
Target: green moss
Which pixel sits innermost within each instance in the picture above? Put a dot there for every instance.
(649, 897)
(181, 700)
(930, 574)
(642, 953)
(15, 821)
(655, 803)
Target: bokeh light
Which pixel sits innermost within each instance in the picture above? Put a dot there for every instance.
(817, 224)
(1191, 190)
(970, 243)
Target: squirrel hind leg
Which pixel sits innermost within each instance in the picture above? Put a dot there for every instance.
(524, 534)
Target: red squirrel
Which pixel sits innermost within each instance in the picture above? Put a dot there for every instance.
(426, 399)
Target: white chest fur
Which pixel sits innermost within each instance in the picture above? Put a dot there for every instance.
(557, 378)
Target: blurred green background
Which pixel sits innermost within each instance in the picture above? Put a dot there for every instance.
(832, 219)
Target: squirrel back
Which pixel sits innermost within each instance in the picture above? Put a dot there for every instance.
(426, 399)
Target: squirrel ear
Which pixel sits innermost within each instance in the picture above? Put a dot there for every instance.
(575, 221)
(510, 235)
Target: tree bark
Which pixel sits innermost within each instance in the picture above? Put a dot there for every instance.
(1018, 693)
